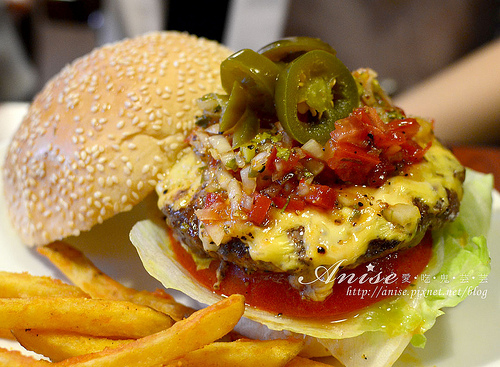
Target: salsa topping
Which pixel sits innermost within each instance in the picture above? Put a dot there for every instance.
(296, 126)
(301, 143)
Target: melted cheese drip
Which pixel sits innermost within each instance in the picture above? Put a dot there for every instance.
(180, 182)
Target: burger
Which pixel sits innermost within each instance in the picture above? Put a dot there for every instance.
(280, 174)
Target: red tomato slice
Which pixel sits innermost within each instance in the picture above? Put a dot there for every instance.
(321, 195)
(353, 290)
(351, 163)
(364, 150)
(261, 205)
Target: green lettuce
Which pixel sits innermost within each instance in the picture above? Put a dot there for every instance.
(459, 263)
(461, 258)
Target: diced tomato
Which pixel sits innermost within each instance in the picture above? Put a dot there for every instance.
(413, 152)
(380, 174)
(212, 198)
(292, 203)
(287, 165)
(351, 163)
(397, 132)
(349, 130)
(215, 207)
(364, 150)
(280, 202)
(265, 177)
(322, 196)
(295, 204)
(260, 207)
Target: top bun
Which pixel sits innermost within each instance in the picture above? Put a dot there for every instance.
(96, 137)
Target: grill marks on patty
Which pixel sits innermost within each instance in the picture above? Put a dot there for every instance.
(186, 227)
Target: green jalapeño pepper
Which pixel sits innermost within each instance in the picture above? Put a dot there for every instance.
(255, 73)
(245, 129)
(235, 108)
(288, 49)
(313, 92)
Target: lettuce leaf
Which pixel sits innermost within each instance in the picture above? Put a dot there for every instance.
(461, 258)
(460, 261)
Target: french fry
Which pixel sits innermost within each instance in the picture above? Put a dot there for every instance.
(84, 274)
(163, 302)
(57, 345)
(242, 353)
(305, 362)
(14, 285)
(199, 329)
(96, 317)
(9, 358)
(6, 334)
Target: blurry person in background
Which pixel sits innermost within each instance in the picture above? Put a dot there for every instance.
(463, 98)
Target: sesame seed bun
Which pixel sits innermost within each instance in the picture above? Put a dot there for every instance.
(96, 137)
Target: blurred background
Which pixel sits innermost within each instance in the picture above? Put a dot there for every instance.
(405, 41)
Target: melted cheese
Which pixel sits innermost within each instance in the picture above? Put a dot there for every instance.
(387, 213)
(180, 182)
(365, 214)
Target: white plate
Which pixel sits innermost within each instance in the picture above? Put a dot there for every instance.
(467, 335)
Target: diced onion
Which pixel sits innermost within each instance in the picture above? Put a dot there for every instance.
(219, 143)
(246, 202)
(249, 183)
(402, 214)
(259, 161)
(302, 189)
(314, 149)
(216, 232)
(234, 194)
(223, 178)
(208, 104)
(213, 129)
(229, 160)
(314, 166)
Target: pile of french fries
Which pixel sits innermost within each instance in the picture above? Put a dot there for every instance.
(99, 322)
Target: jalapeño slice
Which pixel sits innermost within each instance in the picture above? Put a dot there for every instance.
(313, 92)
